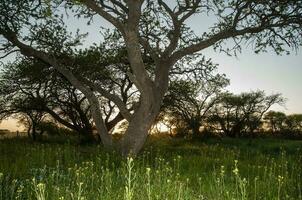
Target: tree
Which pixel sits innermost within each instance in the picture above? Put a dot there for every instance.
(189, 98)
(46, 92)
(30, 81)
(151, 27)
(238, 114)
(294, 123)
(275, 121)
(279, 122)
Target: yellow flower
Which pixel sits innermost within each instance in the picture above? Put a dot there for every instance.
(222, 171)
(280, 178)
(236, 171)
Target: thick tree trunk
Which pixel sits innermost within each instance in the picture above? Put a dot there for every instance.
(86, 135)
(194, 125)
(135, 135)
(134, 138)
(139, 126)
(195, 131)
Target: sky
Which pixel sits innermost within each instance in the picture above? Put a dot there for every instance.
(248, 71)
(264, 71)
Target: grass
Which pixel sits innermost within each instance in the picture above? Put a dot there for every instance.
(166, 169)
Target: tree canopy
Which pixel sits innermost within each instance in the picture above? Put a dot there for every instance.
(238, 114)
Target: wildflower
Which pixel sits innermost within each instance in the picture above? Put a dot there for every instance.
(222, 171)
(20, 189)
(130, 159)
(280, 178)
(236, 170)
(41, 186)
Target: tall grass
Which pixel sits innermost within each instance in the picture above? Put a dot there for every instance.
(167, 169)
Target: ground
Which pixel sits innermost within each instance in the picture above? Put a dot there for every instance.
(168, 168)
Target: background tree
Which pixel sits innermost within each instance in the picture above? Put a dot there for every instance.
(191, 96)
(49, 92)
(275, 121)
(294, 123)
(239, 114)
(148, 27)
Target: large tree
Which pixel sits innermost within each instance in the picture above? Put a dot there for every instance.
(31, 82)
(153, 27)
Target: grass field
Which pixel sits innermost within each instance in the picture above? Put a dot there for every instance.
(166, 169)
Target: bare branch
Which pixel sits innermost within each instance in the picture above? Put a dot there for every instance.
(100, 11)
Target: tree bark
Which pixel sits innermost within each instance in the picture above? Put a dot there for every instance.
(195, 131)
(34, 132)
(141, 122)
(137, 131)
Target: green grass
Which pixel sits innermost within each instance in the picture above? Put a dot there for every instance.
(166, 169)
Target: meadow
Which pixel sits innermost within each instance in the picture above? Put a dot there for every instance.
(168, 168)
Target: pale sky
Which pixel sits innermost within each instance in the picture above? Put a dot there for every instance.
(249, 71)
(266, 71)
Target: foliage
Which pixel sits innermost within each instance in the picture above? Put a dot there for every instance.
(294, 122)
(275, 120)
(242, 113)
(284, 125)
(190, 97)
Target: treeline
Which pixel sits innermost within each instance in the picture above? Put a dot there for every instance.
(278, 123)
(196, 103)
(225, 114)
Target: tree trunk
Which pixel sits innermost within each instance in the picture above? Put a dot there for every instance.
(86, 135)
(194, 125)
(98, 120)
(34, 132)
(137, 131)
(28, 131)
(195, 131)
